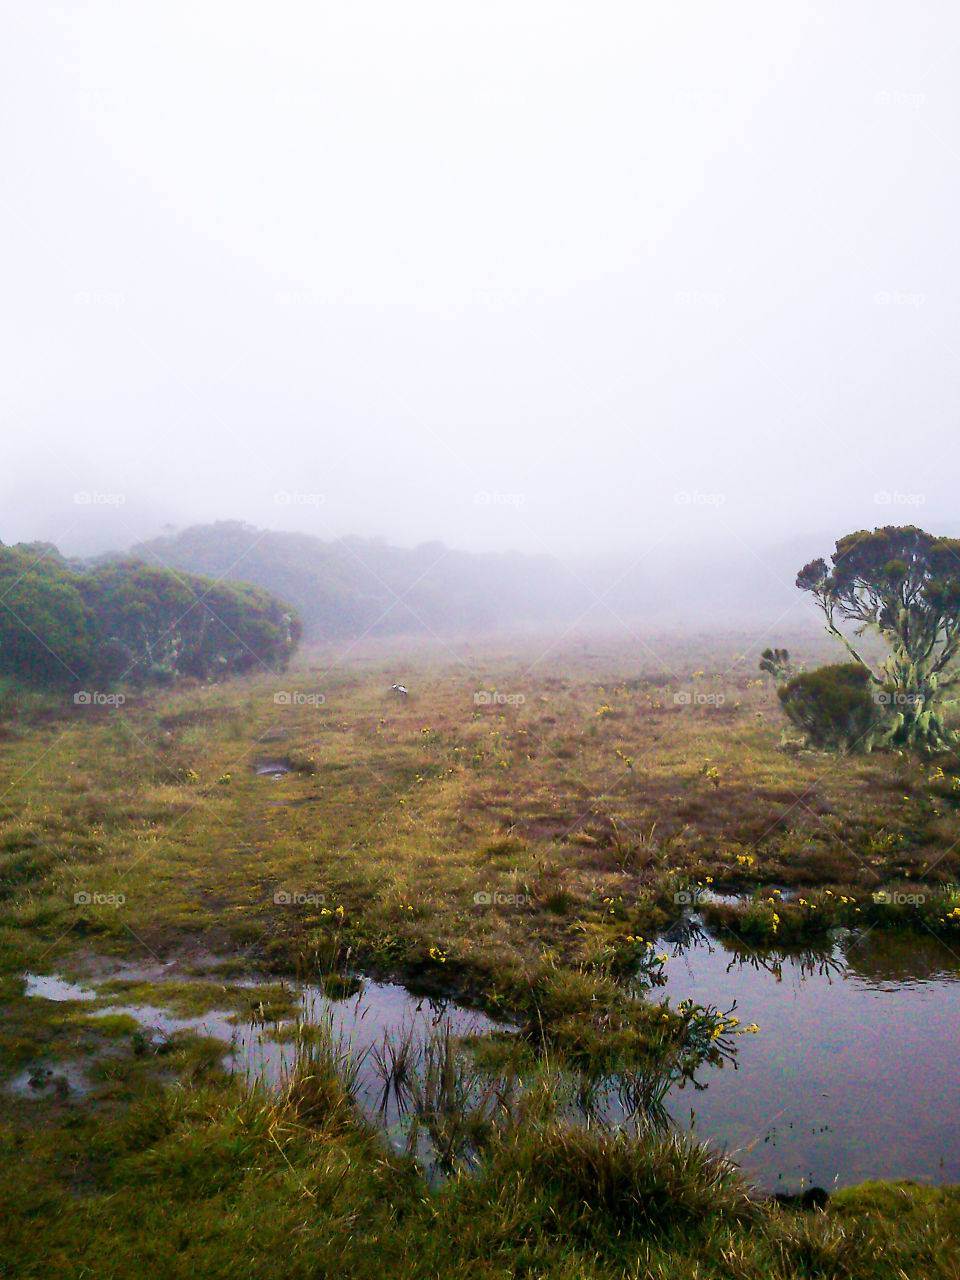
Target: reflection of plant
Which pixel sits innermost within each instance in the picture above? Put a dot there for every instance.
(441, 1095)
(709, 1034)
(632, 954)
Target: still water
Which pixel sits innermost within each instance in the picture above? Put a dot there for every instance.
(855, 1072)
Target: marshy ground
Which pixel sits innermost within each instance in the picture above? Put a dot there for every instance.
(512, 834)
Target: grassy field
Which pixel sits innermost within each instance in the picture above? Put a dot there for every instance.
(514, 833)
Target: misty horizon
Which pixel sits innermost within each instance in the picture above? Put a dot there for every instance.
(515, 278)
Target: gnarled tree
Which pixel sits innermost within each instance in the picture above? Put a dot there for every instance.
(903, 584)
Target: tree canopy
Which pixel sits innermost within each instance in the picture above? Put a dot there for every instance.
(62, 623)
(904, 585)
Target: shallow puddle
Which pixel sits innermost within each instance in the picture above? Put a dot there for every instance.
(855, 1071)
(272, 768)
(265, 1051)
(50, 987)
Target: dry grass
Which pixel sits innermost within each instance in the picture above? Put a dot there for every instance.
(599, 786)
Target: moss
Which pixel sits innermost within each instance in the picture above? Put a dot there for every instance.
(113, 1026)
(892, 1199)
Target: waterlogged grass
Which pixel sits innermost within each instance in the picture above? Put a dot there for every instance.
(216, 1180)
(265, 1002)
(518, 854)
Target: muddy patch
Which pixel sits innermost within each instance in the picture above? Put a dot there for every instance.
(279, 766)
(63, 1081)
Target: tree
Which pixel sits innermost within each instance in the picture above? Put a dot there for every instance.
(47, 633)
(903, 584)
(63, 624)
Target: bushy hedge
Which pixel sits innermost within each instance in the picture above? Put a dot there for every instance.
(835, 707)
(63, 623)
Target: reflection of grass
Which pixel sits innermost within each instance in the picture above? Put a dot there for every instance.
(217, 1180)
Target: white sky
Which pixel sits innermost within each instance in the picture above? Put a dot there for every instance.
(382, 258)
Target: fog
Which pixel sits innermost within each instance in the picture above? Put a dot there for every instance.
(618, 280)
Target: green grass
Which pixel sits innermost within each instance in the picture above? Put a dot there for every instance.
(216, 1180)
(581, 813)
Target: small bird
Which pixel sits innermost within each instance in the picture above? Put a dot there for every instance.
(399, 689)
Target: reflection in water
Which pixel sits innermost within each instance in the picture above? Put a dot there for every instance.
(902, 959)
(854, 1073)
(800, 964)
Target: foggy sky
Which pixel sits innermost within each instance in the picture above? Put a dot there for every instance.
(575, 277)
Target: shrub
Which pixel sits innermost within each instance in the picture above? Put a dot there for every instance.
(834, 707)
